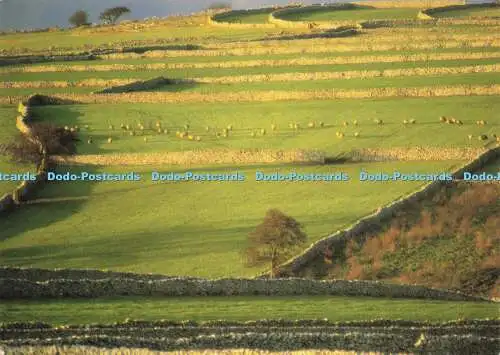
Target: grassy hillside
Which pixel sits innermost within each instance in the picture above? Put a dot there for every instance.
(360, 13)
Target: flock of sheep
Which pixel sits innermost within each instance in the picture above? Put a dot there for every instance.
(186, 134)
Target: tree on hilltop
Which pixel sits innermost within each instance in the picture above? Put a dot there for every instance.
(79, 18)
(273, 241)
(112, 14)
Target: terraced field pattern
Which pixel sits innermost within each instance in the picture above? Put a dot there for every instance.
(239, 93)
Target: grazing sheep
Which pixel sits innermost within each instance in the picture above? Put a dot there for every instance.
(483, 137)
(190, 137)
(111, 127)
(405, 122)
(355, 122)
(110, 140)
(230, 127)
(458, 122)
(273, 127)
(413, 121)
(263, 131)
(443, 119)
(345, 123)
(379, 122)
(198, 138)
(356, 134)
(322, 124)
(253, 134)
(311, 125)
(146, 139)
(89, 141)
(470, 136)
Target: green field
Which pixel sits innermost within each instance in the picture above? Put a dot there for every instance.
(236, 71)
(248, 117)
(241, 309)
(245, 16)
(76, 224)
(357, 14)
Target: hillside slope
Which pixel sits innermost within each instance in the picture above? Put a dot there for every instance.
(451, 241)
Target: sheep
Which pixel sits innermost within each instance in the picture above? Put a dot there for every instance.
(127, 127)
(165, 130)
(177, 134)
(291, 125)
(311, 125)
(273, 127)
(183, 134)
(230, 127)
(355, 122)
(198, 138)
(483, 137)
(122, 126)
(356, 134)
(341, 135)
(110, 140)
(207, 129)
(443, 119)
(296, 126)
(405, 122)
(72, 129)
(132, 133)
(66, 128)
(451, 120)
(160, 131)
(253, 134)
(322, 124)
(263, 131)
(470, 136)
(141, 127)
(379, 122)
(86, 126)
(145, 139)
(345, 123)
(158, 124)
(190, 137)
(89, 141)
(111, 127)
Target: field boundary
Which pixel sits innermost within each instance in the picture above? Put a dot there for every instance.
(26, 189)
(264, 96)
(427, 13)
(131, 84)
(180, 286)
(372, 222)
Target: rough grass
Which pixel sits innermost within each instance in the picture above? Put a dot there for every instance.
(184, 228)
(356, 15)
(248, 117)
(242, 308)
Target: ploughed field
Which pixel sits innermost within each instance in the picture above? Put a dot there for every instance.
(245, 100)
